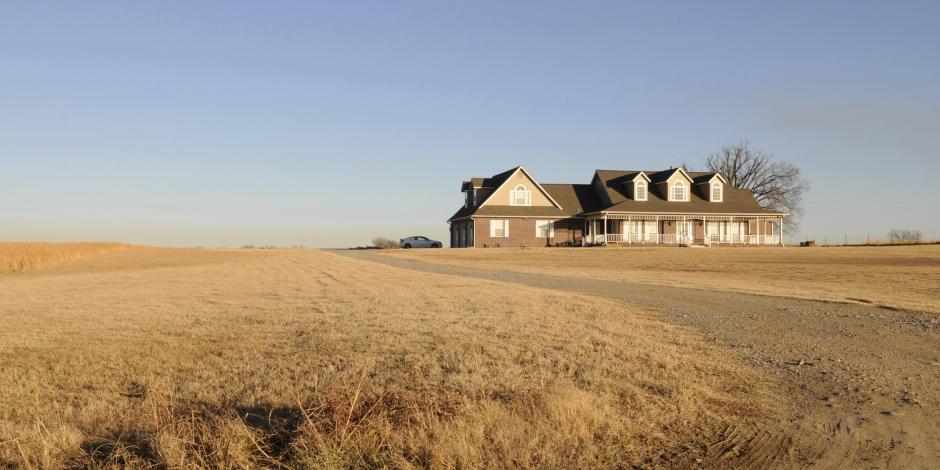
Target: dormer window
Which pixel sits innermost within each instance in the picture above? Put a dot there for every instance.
(639, 192)
(716, 192)
(520, 196)
(679, 192)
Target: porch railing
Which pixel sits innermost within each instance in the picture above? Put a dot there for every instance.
(744, 239)
(674, 239)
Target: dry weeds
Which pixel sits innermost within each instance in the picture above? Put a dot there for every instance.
(21, 257)
(906, 277)
(148, 358)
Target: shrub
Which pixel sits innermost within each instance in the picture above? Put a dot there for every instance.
(382, 242)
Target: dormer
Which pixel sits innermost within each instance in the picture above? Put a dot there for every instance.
(675, 184)
(712, 186)
(467, 189)
(474, 191)
(639, 187)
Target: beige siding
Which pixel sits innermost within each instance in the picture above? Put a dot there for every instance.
(501, 195)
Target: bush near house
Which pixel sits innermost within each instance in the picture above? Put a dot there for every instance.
(382, 242)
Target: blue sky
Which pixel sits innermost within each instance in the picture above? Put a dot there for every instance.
(325, 124)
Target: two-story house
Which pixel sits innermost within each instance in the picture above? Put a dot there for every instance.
(672, 207)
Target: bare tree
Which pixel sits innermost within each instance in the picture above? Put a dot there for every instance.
(904, 236)
(776, 184)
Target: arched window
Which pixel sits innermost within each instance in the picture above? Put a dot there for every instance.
(678, 191)
(716, 192)
(640, 191)
(520, 196)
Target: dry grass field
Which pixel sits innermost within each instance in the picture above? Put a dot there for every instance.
(305, 359)
(21, 257)
(906, 277)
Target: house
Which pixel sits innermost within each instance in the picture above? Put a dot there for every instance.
(667, 207)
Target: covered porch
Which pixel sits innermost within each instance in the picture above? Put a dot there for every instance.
(628, 229)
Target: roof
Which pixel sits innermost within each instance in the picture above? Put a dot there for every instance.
(577, 199)
(492, 182)
(734, 201)
(574, 198)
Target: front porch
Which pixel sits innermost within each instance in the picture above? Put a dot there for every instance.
(705, 230)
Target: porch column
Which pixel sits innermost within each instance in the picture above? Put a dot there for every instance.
(705, 230)
(685, 227)
(605, 229)
(627, 233)
(583, 231)
(760, 236)
(591, 232)
(659, 231)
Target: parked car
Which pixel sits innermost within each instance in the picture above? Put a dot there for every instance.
(418, 241)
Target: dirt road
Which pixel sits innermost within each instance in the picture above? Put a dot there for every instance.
(865, 381)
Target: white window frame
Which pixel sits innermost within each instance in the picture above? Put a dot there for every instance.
(551, 228)
(505, 228)
(721, 192)
(685, 191)
(636, 191)
(520, 190)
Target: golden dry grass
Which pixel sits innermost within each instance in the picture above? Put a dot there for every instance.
(906, 277)
(20, 257)
(304, 359)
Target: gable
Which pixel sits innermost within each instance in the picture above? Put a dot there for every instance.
(677, 175)
(501, 195)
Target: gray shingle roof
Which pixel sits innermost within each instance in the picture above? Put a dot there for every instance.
(578, 199)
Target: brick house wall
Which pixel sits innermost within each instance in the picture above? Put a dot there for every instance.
(522, 230)
(461, 234)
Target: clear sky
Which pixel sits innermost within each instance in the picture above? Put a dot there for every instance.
(326, 124)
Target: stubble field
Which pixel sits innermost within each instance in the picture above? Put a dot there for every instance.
(304, 359)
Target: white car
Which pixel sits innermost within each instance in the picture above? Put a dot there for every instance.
(419, 242)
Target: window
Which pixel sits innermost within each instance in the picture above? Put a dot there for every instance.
(499, 228)
(716, 192)
(640, 191)
(520, 196)
(678, 191)
(544, 228)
